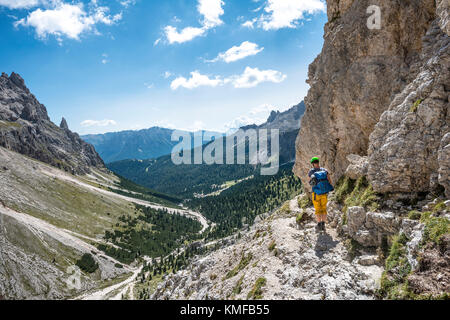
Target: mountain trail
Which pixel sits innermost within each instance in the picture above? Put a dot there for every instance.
(293, 261)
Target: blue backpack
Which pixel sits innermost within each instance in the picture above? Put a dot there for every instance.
(322, 186)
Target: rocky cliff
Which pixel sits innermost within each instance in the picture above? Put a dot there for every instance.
(26, 128)
(381, 93)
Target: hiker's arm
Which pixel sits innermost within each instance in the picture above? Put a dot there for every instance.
(329, 179)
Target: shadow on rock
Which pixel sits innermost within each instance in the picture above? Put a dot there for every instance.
(324, 243)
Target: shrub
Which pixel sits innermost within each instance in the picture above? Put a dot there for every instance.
(87, 263)
(118, 265)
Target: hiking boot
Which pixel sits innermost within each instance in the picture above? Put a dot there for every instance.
(322, 226)
(319, 226)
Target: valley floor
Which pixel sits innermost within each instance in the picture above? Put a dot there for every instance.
(49, 219)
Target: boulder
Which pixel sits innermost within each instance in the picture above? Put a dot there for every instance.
(357, 167)
(356, 217)
(383, 221)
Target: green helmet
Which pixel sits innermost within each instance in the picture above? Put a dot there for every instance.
(314, 159)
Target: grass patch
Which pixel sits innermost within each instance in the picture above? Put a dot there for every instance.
(299, 218)
(285, 208)
(439, 207)
(362, 195)
(344, 187)
(304, 201)
(415, 106)
(237, 289)
(435, 229)
(394, 284)
(256, 293)
(352, 193)
(272, 246)
(245, 260)
(414, 215)
(9, 124)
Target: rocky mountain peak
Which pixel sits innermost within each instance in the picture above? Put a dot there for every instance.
(63, 125)
(26, 128)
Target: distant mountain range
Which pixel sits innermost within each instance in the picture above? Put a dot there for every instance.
(188, 180)
(142, 144)
(156, 141)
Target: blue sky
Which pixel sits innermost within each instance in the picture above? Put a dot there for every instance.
(189, 64)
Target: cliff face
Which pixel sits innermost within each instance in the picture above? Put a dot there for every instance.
(26, 128)
(409, 150)
(360, 74)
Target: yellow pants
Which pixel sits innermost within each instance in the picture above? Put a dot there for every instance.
(320, 203)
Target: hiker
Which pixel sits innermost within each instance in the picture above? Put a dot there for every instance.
(321, 186)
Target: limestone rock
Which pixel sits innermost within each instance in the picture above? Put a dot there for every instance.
(403, 149)
(356, 217)
(64, 124)
(370, 228)
(26, 128)
(357, 167)
(356, 76)
(444, 164)
(307, 265)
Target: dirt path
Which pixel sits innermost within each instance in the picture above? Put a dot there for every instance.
(104, 293)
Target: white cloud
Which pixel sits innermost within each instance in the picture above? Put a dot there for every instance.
(236, 53)
(250, 78)
(105, 60)
(19, 4)
(211, 10)
(167, 74)
(70, 20)
(257, 115)
(149, 85)
(253, 76)
(285, 13)
(127, 3)
(98, 123)
(250, 23)
(157, 41)
(196, 80)
(187, 34)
